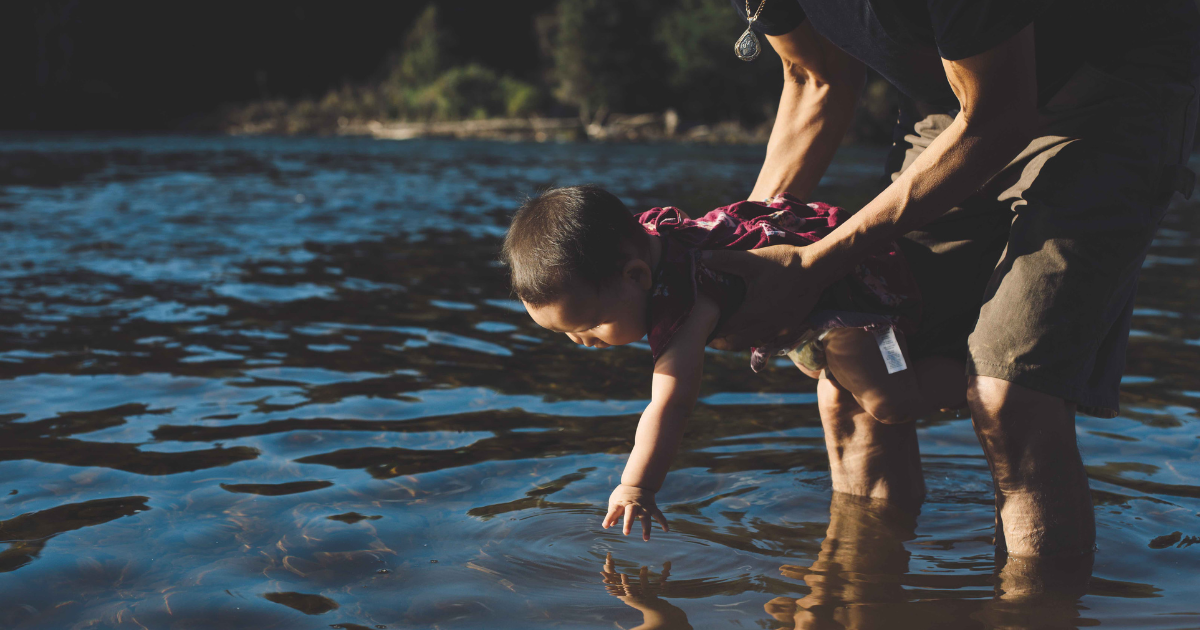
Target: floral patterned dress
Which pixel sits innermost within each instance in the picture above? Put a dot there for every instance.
(879, 292)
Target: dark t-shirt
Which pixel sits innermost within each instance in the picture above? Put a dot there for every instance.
(906, 40)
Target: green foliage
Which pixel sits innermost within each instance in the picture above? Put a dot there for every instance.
(600, 56)
(418, 64)
(421, 58)
(636, 56)
(473, 91)
(417, 84)
(606, 57)
(520, 98)
(708, 82)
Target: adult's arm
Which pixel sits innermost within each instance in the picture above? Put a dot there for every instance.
(821, 85)
(997, 92)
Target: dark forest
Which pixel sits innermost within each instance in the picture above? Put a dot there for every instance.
(299, 67)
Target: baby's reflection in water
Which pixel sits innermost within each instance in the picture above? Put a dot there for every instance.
(643, 595)
(861, 580)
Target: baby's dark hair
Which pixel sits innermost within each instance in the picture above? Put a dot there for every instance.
(577, 233)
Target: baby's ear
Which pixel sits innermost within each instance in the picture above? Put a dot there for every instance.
(638, 271)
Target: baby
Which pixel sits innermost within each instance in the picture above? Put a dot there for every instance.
(584, 266)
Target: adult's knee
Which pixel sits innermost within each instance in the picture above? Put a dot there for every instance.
(996, 414)
(986, 393)
(1014, 423)
(995, 402)
(985, 398)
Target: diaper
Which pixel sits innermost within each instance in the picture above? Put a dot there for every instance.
(808, 350)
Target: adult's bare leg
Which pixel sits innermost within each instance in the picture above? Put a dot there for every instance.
(1043, 505)
(867, 457)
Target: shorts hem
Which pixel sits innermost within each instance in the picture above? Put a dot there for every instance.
(1087, 403)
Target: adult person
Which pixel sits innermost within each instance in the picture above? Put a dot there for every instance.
(1038, 146)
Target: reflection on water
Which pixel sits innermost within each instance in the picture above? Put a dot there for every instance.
(856, 579)
(279, 383)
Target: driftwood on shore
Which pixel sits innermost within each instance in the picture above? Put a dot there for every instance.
(613, 127)
(539, 129)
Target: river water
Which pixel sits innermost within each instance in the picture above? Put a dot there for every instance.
(280, 383)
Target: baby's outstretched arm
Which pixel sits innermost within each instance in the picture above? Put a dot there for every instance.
(673, 394)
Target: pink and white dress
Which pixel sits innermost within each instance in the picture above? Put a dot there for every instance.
(879, 292)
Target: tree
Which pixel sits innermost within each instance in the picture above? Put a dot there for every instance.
(606, 57)
(707, 81)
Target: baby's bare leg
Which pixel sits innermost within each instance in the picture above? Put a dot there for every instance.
(855, 362)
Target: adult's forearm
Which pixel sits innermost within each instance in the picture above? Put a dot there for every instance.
(955, 165)
(813, 118)
(997, 92)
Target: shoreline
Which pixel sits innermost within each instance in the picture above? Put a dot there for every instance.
(664, 127)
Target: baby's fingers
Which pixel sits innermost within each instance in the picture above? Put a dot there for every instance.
(662, 520)
(614, 513)
(630, 517)
(646, 527)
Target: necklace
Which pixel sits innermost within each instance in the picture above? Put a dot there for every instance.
(747, 46)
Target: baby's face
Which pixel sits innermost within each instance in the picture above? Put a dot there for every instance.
(612, 316)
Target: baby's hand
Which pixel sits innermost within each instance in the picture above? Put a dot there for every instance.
(634, 503)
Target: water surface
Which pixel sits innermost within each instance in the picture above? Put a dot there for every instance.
(280, 383)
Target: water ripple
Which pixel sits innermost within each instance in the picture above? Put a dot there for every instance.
(273, 383)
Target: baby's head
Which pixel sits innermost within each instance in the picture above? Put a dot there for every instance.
(581, 265)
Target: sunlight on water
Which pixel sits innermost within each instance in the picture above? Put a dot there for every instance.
(280, 383)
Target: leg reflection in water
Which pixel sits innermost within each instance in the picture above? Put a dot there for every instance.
(1039, 592)
(643, 595)
(861, 580)
(856, 579)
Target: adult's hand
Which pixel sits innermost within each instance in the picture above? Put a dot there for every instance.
(997, 91)
(782, 286)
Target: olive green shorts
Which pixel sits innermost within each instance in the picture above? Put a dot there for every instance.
(1032, 279)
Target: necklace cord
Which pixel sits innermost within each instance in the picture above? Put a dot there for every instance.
(761, 4)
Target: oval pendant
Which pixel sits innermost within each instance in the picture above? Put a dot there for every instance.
(747, 46)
